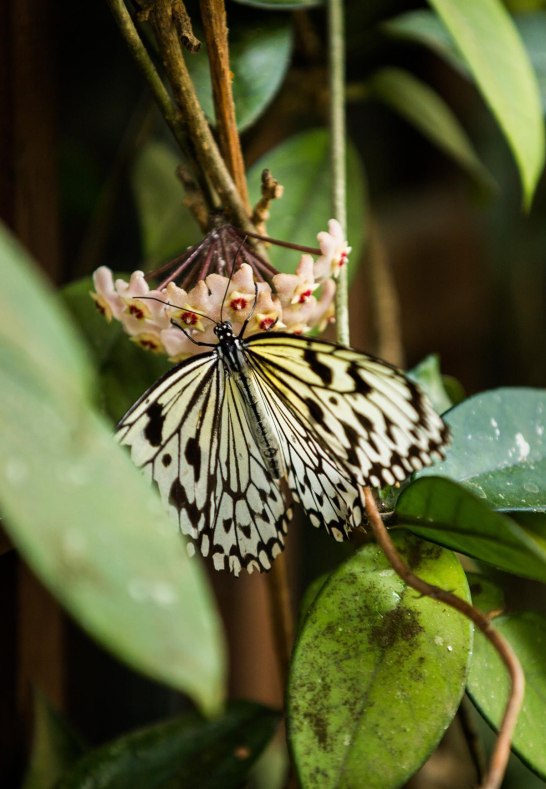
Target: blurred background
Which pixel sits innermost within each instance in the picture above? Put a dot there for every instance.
(442, 250)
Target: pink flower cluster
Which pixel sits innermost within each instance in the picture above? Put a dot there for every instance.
(285, 303)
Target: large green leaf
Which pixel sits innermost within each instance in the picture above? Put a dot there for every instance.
(185, 751)
(441, 510)
(499, 448)
(80, 512)
(489, 42)
(376, 669)
(259, 58)
(488, 683)
(55, 747)
(426, 110)
(166, 225)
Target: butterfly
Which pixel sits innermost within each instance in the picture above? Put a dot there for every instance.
(235, 435)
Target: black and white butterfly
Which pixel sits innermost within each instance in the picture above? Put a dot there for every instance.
(233, 436)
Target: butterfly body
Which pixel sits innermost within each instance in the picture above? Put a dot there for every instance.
(234, 435)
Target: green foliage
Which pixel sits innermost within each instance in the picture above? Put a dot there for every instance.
(301, 165)
(376, 669)
(482, 38)
(55, 747)
(488, 683)
(371, 658)
(78, 511)
(185, 751)
(427, 111)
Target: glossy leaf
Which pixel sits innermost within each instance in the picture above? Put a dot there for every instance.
(488, 40)
(415, 101)
(55, 747)
(301, 165)
(259, 59)
(427, 374)
(486, 594)
(498, 448)
(166, 225)
(488, 683)
(357, 686)
(426, 28)
(82, 515)
(185, 751)
(441, 510)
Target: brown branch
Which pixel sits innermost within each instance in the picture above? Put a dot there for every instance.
(501, 753)
(184, 26)
(199, 133)
(213, 14)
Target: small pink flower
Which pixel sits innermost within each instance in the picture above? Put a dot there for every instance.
(179, 320)
(335, 251)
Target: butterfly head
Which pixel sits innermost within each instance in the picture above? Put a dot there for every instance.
(224, 331)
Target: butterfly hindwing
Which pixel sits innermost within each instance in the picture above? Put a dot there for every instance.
(190, 433)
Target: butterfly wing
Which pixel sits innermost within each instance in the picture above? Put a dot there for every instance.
(190, 433)
(361, 411)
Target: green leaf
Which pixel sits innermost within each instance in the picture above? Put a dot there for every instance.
(532, 29)
(427, 111)
(185, 751)
(82, 515)
(488, 683)
(486, 594)
(445, 512)
(492, 48)
(376, 669)
(125, 371)
(259, 59)
(166, 225)
(301, 165)
(499, 448)
(55, 747)
(427, 374)
(424, 27)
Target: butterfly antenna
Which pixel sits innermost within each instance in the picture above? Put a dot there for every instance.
(241, 245)
(176, 307)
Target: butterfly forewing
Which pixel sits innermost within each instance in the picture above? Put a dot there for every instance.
(190, 433)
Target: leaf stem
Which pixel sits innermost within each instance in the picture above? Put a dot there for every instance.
(213, 15)
(501, 753)
(336, 51)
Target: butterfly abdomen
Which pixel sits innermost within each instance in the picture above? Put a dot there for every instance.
(258, 420)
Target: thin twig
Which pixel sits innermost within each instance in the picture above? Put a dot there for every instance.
(213, 15)
(281, 614)
(202, 140)
(336, 51)
(501, 753)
